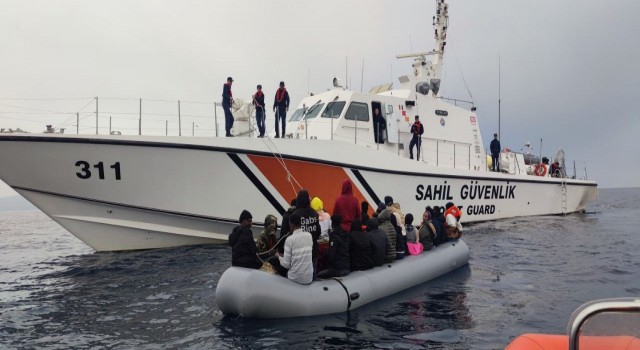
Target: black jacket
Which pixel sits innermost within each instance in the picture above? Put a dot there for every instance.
(379, 240)
(417, 128)
(310, 219)
(243, 248)
(338, 253)
(226, 94)
(259, 100)
(495, 146)
(360, 251)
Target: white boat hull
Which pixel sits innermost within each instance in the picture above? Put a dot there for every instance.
(257, 294)
(134, 192)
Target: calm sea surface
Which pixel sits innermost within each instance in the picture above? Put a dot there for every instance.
(525, 275)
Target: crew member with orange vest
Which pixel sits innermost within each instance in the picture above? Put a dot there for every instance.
(281, 107)
(417, 130)
(258, 103)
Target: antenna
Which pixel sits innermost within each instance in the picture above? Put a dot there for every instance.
(346, 72)
(362, 77)
(499, 95)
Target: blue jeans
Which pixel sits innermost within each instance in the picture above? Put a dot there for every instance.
(281, 115)
(415, 141)
(228, 119)
(260, 119)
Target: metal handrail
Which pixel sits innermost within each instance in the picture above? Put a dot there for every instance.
(591, 309)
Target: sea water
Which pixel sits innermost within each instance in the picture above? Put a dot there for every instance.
(524, 275)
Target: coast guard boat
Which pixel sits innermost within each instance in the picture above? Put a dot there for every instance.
(120, 192)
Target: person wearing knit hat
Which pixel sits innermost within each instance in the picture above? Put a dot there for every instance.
(323, 216)
(243, 247)
(388, 200)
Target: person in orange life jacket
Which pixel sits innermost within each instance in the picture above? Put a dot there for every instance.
(258, 103)
(416, 130)
(452, 216)
(227, 101)
(379, 124)
(281, 107)
(347, 206)
(243, 247)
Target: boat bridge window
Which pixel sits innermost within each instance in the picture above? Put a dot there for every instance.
(334, 109)
(357, 111)
(314, 111)
(297, 115)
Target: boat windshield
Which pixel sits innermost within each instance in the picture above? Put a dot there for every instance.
(314, 111)
(297, 115)
(334, 109)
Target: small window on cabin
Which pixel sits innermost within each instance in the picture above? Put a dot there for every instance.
(334, 109)
(314, 111)
(357, 111)
(297, 115)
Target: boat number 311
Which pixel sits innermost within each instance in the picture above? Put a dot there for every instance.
(85, 169)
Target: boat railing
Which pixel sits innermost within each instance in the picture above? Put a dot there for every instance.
(616, 319)
(459, 103)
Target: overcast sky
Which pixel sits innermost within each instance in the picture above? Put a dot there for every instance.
(569, 68)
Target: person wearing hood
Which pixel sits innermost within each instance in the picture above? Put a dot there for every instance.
(323, 216)
(384, 218)
(338, 253)
(267, 239)
(347, 206)
(379, 239)
(243, 247)
(310, 222)
(438, 221)
(360, 248)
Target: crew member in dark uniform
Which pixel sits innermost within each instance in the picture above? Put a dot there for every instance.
(281, 107)
(495, 153)
(258, 103)
(227, 101)
(416, 130)
(379, 125)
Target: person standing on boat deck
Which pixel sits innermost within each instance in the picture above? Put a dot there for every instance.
(297, 255)
(258, 103)
(243, 247)
(495, 153)
(379, 240)
(379, 125)
(347, 206)
(281, 107)
(416, 130)
(360, 248)
(310, 223)
(338, 253)
(227, 101)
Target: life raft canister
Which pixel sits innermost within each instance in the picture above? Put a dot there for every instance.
(540, 169)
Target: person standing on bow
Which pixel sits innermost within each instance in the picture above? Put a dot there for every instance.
(258, 103)
(495, 153)
(281, 107)
(416, 130)
(227, 101)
